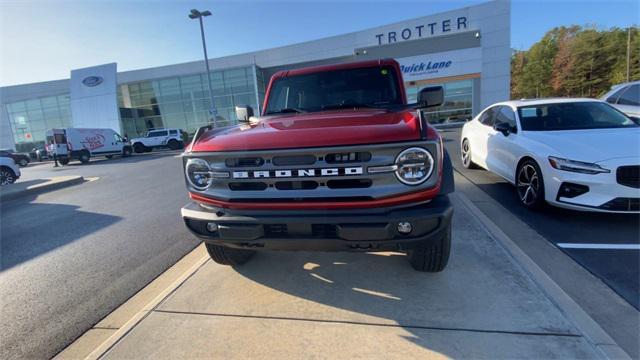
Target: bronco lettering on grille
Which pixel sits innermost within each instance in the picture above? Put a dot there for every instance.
(264, 174)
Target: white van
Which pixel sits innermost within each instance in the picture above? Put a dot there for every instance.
(83, 144)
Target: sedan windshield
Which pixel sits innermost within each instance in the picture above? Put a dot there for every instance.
(572, 116)
(372, 87)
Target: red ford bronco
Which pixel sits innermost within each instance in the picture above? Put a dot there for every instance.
(337, 161)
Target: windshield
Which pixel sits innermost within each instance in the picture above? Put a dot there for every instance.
(572, 116)
(361, 87)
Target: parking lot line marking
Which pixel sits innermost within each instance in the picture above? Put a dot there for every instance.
(600, 246)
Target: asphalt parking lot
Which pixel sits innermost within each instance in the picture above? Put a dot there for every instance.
(618, 268)
(70, 256)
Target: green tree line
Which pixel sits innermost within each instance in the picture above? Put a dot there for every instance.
(575, 61)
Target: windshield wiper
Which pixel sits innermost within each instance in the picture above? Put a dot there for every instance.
(348, 105)
(285, 111)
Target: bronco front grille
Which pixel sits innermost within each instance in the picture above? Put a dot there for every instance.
(332, 174)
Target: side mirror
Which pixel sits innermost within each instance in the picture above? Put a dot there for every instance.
(430, 97)
(243, 113)
(503, 127)
(611, 100)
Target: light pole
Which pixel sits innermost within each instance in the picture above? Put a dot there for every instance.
(195, 14)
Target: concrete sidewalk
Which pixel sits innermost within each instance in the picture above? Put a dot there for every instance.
(345, 305)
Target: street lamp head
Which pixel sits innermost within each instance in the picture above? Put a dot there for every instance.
(196, 14)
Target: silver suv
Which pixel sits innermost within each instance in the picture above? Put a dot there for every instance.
(626, 98)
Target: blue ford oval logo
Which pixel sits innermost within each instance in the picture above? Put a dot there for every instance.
(92, 81)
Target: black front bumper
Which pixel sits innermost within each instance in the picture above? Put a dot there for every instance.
(352, 230)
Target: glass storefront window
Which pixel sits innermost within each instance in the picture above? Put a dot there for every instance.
(177, 102)
(30, 119)
(457, 105)
(184, 102)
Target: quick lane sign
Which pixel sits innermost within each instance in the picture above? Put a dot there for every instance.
(448, 63)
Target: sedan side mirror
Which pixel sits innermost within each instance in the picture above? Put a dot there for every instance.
(243, 113)
(503, 127)
(430, 97)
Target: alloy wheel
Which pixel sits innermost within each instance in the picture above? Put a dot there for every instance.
(528, 184)
(466, 153)
(6, 177)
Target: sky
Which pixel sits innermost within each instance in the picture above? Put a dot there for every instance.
(44, 40)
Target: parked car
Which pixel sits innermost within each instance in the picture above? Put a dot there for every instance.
(9, 171)
(39, 153)
(338, 162)
(83, 144)
(20, 159)
(626, 98)
(158, 138)
(573, 153)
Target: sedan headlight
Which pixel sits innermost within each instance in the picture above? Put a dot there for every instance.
(198, 174)
(576, 166)
(415, 165)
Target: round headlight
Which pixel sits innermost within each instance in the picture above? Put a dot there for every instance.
(415, 165)
(198, 174)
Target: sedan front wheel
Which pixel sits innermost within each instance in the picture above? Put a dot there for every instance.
(465, 155)
(530, 185)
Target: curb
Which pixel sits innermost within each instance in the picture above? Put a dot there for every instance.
(51, 184)
(593, 333)
(103, 348)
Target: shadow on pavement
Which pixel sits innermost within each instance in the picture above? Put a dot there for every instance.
(23, 184)
(30, 229)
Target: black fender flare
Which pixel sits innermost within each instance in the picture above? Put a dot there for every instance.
(447, 184)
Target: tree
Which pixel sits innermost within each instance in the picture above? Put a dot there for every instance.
(564, 61)
(575, 61)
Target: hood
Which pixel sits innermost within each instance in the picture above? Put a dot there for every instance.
(591, 145)
(327, 128)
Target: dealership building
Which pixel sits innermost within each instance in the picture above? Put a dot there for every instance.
(467, 51)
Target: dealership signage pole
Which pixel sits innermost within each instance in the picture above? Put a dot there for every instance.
(195, 14)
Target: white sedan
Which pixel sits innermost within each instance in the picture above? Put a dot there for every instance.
(9, 171)
(579, 154)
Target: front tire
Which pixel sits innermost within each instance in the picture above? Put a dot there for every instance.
(7, 176)
(173, 144)
(138, 148)
(530, 185)
(465, 155)
(432, 256)
(63, 160)
(23, 162)
(228, 256)
(126, 151)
